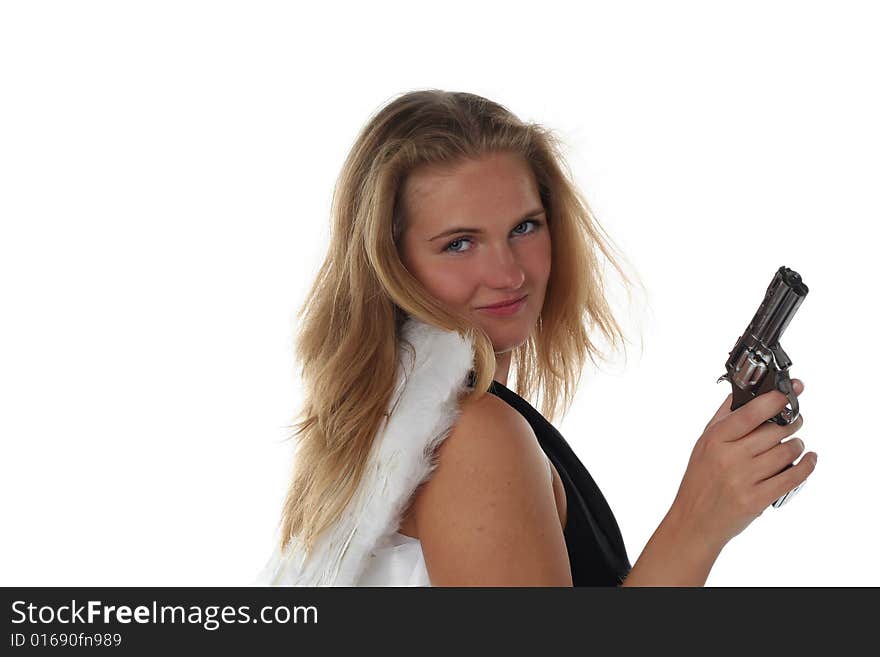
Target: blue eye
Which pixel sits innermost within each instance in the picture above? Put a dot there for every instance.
(525, 223)
(450, 247)
(453, 242)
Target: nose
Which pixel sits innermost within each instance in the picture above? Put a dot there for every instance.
(503, 271)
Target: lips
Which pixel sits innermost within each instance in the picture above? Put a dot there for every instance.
(503, 304)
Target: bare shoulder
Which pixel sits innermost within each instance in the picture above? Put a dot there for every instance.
(487, 516)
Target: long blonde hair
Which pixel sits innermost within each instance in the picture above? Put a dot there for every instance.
(349, 338)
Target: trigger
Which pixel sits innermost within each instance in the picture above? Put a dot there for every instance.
(783, 384)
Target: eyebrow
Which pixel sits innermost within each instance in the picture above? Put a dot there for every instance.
(479, 231)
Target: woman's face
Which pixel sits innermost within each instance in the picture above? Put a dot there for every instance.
(477, 235)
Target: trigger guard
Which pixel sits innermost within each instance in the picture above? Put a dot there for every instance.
(787, 415)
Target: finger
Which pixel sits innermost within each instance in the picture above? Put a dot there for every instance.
(769, 435)
(773, 461)
(750, 416)
(773, 488)
(724, 410)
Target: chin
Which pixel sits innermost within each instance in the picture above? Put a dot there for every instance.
(505, 340)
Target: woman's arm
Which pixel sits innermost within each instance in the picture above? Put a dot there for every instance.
(488, 516)
(674, 556)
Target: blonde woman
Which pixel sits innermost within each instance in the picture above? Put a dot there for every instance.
(462, 257)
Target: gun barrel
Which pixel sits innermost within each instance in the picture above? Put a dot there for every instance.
(784, 296)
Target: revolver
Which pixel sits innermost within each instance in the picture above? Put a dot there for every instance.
(757, 363)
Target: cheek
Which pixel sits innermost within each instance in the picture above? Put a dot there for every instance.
(538, 260)
(452, 283)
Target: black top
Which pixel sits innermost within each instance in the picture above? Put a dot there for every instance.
(595, 547)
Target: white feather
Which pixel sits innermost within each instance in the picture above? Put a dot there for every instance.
(423, 409)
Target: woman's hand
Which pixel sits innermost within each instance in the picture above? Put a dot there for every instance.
(736, 469)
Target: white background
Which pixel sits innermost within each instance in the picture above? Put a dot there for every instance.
(165, 179)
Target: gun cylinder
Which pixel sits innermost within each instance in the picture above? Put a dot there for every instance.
(750, 369)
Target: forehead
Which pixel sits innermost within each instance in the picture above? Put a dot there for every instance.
(495, 188)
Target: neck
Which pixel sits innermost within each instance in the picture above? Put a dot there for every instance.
(502, 367)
